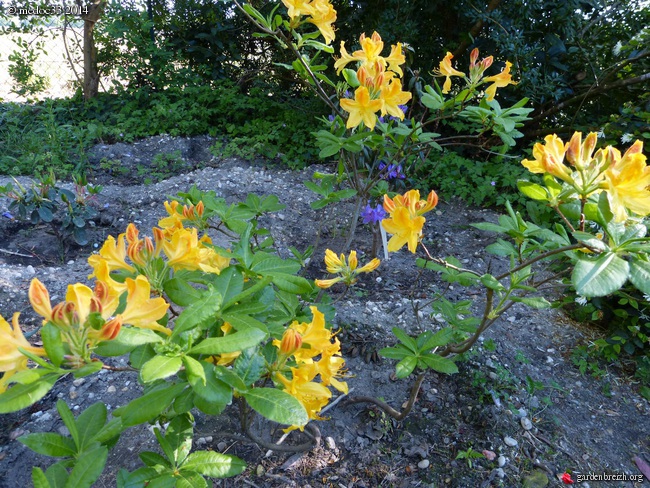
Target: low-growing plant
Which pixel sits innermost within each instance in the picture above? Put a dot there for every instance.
(66, 211)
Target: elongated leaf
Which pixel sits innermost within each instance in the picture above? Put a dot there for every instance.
(160, 367)
(264, 263)
(90, 422)
(291, 283)
(398, 352)
(238, 341)
(109, 432)
(69, 421)
(179, 435)
(405, 339)
(49, 444)
(406, 366)
(438, 363)
(148, 406)
(153, 459)
(20, 396)
(229, 283)
(194, 370)
(440, 338)
(532, 190)
(640, 274)
(601, 276)
(277, 405)
(190, 479)
(249, 366)
(231, 379)
(181, 292)
(39, 479)
(535, 302)
(57, 475)
(214, 390)
(52, 343)
(201, 313)
(87, 469)
(214, 464)
(128, 339)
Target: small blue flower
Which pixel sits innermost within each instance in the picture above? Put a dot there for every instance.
(373, 215)
(8, 215)
(331, 118)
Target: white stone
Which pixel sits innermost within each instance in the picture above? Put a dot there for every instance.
(424, 464)
(510, 441)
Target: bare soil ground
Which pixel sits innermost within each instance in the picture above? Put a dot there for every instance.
(518, 393)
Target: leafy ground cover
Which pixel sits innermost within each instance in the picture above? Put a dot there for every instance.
(519, 395)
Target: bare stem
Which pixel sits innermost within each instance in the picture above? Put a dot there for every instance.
(397, 415)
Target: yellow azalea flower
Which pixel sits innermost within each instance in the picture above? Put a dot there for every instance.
(392, 96)
(313, 396)
(549, 158)
(579, 154)
(10, 340)
(446, 70)
(114, 253)
(395, 59)
(348, 270)
(174, 217)
(330, 368)
(297, 8)
(315, 335)
(627, 182)
(406, 229)
(40, 299)
(102, 273)
(498, 81)
(182, 249)
(290, 343)
(344, 60)
(323, 16)
(324, 284)
(141, 310)
(406, 221)
(362, 108)
(11, 359)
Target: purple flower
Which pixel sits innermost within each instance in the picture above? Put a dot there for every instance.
(393, 171)
(372, 215)
(331, 118)
(493, 183)
(8, 215)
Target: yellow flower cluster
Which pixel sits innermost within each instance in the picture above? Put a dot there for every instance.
(321, 13)
(406, 221)
(380, 87)
(476, 71)
(626, 178)
(181, 246)
(347, 270)
(303, 342)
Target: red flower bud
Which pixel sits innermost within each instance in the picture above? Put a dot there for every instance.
(291, 342)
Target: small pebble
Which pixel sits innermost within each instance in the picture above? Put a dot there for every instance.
(510, 441)
(526, 423)
(222, 446)
(501, 461)
(500, 473)
(424, 464)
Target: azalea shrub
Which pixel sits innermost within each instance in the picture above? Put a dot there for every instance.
(204, 326)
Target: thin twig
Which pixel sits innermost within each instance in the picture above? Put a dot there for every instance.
(16, 253)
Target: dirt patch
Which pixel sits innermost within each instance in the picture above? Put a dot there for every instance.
(518, 393)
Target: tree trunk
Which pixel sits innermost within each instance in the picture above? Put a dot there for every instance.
(93, 12)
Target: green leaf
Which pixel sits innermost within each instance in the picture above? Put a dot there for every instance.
(249, 366)
(229, 283)
(90, 422)
(291, 283)
(534, 302)
(140, 355)
(405, 339)
(238, 341)
(264, 263)
(214, 390)
(69, 421)
(194, 370)
(640, 273)
(181, 292)
(440, 364)
(57, 475)
(88, 467)
(440, 338)
(153, 459)
(491, 282)
(160, 367)
(532, 190)
(351, 77)
(277, 405)
(201, 313)
(148, 406)
(214, 464)
(242, 322)
(406, 366)
(39, 479)
(109, 432)
(190, 479)
(398, 352)
(490, 227)
(53, 344)
(231, 379)
(179, 434)
(88, 369)
(128, 339)
(601, 276)
(49, 444)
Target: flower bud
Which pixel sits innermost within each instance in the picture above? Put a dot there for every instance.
(473, 57)
(291, 342)
(40, 299)
(199, 209)
(111, 329)
(352, 260)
